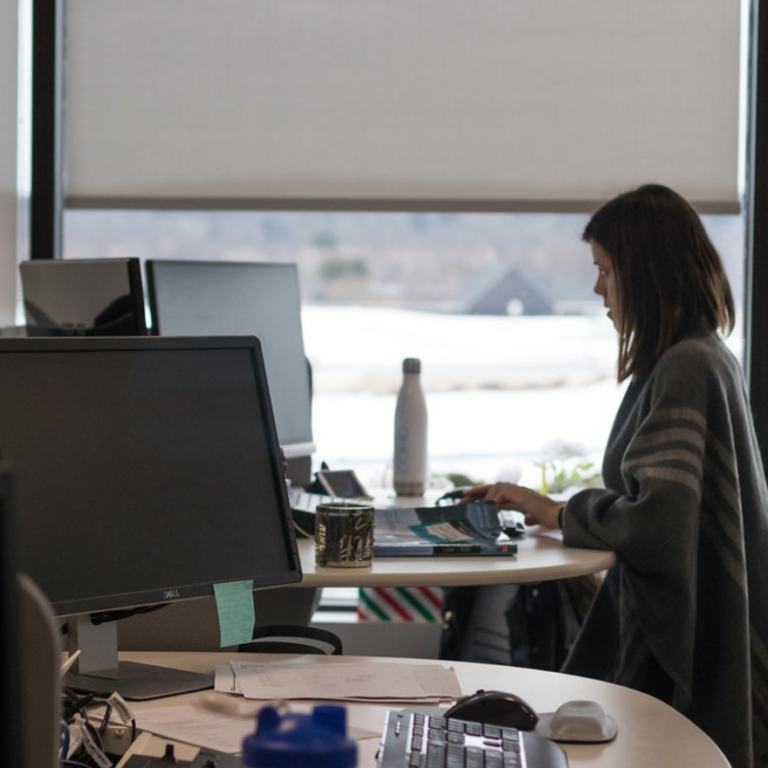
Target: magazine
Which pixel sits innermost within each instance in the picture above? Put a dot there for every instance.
(456, 529)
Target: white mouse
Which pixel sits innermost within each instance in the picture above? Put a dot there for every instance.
(577, 721)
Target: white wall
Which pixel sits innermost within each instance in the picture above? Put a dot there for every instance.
(8, 143)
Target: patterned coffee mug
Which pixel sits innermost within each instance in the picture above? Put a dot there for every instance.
(344, 534)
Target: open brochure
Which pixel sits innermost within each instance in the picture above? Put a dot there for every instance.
(456, 529)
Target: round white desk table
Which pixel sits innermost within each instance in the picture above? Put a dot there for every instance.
(650, 732)
(541, 556)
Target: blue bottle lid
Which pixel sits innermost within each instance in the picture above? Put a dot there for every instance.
(297, 740)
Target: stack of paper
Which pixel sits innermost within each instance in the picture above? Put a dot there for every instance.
(214, 722)
(194, 725)
(370, 682)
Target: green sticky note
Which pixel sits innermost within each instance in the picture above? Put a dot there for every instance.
(234, 602)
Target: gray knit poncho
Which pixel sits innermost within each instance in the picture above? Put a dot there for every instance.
(684, 613)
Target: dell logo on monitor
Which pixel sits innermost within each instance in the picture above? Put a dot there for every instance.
(170, 594)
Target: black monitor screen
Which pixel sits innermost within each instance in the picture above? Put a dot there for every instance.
(83, 297)
(147, 469)
(221, 298)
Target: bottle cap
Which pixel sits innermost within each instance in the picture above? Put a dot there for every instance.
(411, 365)
(298, 740)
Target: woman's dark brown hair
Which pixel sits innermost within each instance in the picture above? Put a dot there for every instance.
(669, 277)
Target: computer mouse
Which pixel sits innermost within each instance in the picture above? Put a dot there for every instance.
(495, 708)
(578, 721)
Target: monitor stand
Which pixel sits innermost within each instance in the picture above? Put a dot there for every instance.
(97, 669)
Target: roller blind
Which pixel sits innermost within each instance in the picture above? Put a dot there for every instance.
(399, 104)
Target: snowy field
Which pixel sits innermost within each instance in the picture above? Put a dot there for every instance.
(502, 392)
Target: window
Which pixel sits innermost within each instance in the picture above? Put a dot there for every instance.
(518, 356)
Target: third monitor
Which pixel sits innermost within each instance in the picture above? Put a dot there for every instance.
(193, 298)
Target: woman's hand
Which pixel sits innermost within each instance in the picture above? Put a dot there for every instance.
(537, 508)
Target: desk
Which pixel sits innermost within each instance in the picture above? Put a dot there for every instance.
(541, 556)
(192, 625)
(650, 732)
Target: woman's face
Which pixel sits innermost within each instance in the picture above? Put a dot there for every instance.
(606, 285)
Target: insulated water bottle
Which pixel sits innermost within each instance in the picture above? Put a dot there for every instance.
(410, 459)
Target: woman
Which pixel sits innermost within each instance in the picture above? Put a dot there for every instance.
(684, 613)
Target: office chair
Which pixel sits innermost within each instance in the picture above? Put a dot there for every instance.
(292, 638)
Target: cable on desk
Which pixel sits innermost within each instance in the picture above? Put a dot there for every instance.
(107, 616)
(105, 719)
(77, 704)
(64, 738)
(96, 735)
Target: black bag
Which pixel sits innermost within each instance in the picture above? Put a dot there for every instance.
(540, 620)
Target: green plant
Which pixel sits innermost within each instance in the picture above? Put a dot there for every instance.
(558, 476)
(459, 480)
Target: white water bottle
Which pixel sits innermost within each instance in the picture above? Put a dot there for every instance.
(410, 460)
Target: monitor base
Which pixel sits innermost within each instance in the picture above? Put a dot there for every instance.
(138, 682)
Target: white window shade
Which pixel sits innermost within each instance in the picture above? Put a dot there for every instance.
(397, 104)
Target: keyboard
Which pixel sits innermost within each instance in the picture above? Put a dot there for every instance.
(301, 501)
(416, 740)
(303, 506)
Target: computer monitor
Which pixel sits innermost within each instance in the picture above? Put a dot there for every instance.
(147, 471)
(30, 653)
(83, 297)
(219, 298)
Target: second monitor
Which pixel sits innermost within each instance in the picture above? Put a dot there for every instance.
(193, 298)
(83, 297)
